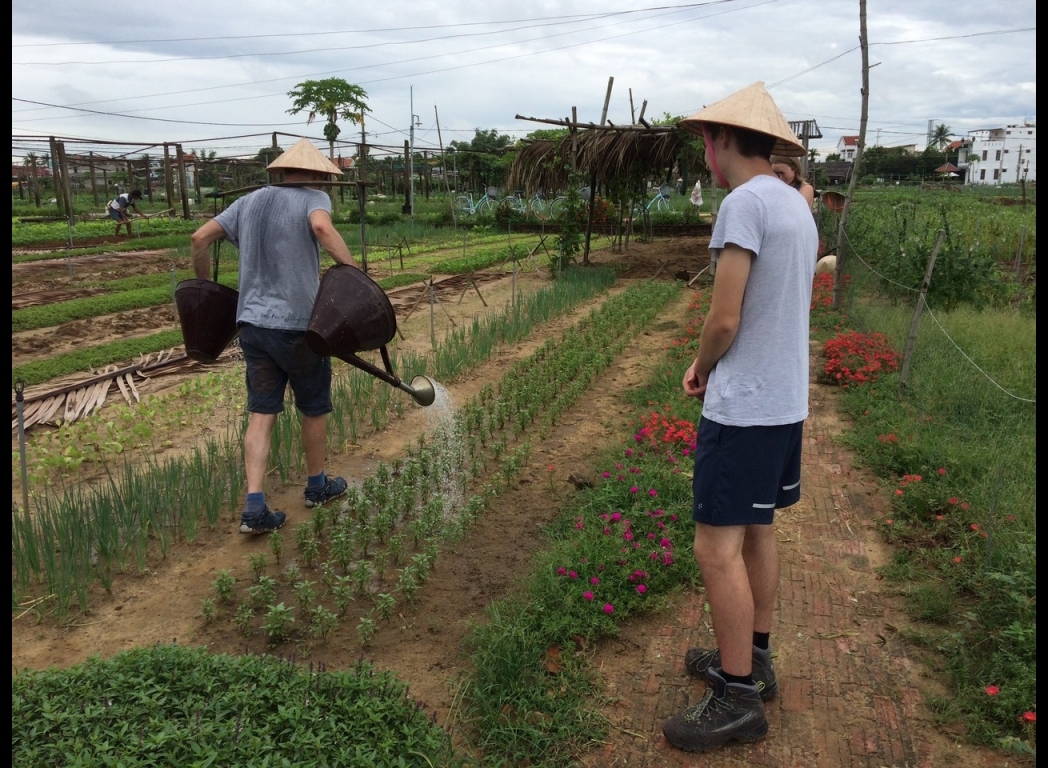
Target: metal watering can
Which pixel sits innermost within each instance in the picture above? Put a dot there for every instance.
(353, 314)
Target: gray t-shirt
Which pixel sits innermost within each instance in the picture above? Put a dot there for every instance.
(762, 380)
(279, 255)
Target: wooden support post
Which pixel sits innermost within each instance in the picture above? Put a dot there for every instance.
(272, 176)
(593, 179)
(196, 180)
(362, 196)
(169, 176)
(444, 172)
(407, 177)
(94, 183)
(149, 178)
(56, 176)
(904, 375)
(35, 181)
(67, 192)
(182, 191)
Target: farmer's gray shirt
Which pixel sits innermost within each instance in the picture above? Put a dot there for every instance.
(279, 255)
(762, 380)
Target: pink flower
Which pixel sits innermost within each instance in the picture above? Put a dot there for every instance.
(621, 478)
(594, 581)
(616, 516)
(618, 465)
(952, 500)
(940, 517)
(572, 575)
(609, 608)
(889, 521)
(653, 493)
(588, 595)
(965, 505)
(667, 558)
(634, 489)
(607, 531)
(605, 475)
(641, 588)
(975, 526)
(651, 535)
(942, 471)
(898, 491)
(629, 452)
(992, 690)
(673, 518)
(628, 535)
(665, 543)
(958, 559)
(562, 571)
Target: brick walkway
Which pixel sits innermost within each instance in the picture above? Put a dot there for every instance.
(850, 695)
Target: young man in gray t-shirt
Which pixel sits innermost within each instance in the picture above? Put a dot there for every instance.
(752, 376)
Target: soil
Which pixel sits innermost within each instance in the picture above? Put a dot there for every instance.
(851, 693)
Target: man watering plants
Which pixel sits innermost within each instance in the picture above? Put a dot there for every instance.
(752, 376)
(278, 231)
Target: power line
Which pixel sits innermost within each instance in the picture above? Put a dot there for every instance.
(154, 119)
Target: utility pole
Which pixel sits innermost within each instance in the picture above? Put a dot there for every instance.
(411, 156)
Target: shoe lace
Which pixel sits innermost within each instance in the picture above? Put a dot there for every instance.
(698, 711)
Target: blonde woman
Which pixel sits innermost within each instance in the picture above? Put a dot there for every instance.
(789, 170)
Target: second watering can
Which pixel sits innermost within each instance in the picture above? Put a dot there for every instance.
(353, 314)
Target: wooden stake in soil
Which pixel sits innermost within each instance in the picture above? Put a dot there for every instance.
(904, 377)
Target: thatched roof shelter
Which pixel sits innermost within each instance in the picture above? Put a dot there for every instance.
(614, 153)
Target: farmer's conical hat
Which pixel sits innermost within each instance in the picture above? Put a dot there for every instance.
(751, 108)
(303, 156)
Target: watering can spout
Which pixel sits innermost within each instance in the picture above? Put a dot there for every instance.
(421, 390)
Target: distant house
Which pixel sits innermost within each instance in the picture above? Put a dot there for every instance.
(846, 147)
(1003, 155)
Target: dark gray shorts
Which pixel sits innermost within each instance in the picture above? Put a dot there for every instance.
(276, 358)
(743, 474)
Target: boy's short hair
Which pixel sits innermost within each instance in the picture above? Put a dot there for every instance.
(136, 194)
(750, 143)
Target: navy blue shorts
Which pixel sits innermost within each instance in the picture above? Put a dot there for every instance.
(743, 474)
(276, 358)
(117, 215)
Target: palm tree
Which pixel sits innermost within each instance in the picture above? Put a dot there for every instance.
(941, 136)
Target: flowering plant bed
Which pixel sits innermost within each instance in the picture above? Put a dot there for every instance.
(854, 358)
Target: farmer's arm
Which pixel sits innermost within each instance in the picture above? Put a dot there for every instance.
(202, 240)
(329, 238)
(722, 322)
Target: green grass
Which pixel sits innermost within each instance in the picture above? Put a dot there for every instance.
(968, 525)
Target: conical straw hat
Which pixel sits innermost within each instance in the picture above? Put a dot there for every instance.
(303, 156)
(751, 108)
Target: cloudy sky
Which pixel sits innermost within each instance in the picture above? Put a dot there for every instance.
(215, 75)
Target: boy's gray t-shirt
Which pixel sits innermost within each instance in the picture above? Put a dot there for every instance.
(762, 380)
(279, 255)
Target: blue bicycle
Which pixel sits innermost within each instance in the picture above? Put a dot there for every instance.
(486, 204)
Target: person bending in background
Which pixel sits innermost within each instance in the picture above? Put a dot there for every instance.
(118, 209)
(278, 230)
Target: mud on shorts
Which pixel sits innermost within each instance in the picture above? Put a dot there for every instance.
(275, 358)
(743, 474)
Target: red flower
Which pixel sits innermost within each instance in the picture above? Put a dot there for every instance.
(992, 690)
(889, 521)
(1030, 717)
(975, 526)
(958, 559)
(942, 471)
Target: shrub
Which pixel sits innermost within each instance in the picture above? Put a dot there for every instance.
(859, 358)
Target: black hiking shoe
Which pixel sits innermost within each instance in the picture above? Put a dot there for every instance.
(267, 522)
(727, 711)
(332, 489)
(698, 661)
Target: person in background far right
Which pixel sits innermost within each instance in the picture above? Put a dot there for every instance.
(789, 170)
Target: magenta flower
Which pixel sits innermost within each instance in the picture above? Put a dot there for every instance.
(594, 581)
(620, 478)
(673, 518)
(629, 452)
(616, 516)
(651, 535)
(572, 575)
(618, 465)
(607, 531)
(609, 608)
(634, 489)
(605, 475)
(588, 595)
(628, 535)
(562, 571)
(653, 493)
(641, 588)
(665, 543)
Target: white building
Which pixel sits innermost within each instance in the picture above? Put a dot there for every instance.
(1003, 155)
(846, 147)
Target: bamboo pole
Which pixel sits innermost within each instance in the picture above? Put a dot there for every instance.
(856, 163)
(182, 191)
(593, 179)
(94, 183)
(444, 171)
